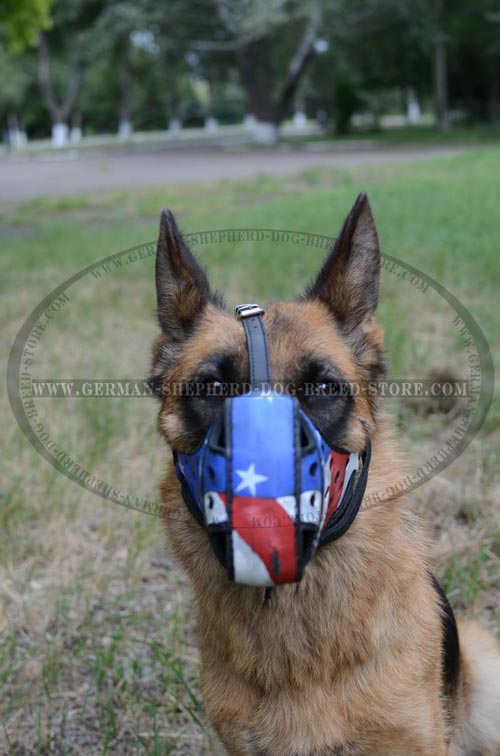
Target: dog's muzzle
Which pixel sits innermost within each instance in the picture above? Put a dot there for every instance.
(265, 484)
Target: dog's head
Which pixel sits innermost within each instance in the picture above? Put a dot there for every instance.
(328, 337)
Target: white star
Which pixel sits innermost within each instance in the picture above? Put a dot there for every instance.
(249, 479)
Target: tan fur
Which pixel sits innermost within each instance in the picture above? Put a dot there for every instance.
(348, 661)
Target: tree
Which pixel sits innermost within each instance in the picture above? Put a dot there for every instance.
(113, 36)
(194, 51)
(144, 62)
(20, 23)
(72, 20)
(440, 67)
(374, 56)
(474, 58)
(404, 45)
(274, 42)
(16, 75)
(60, 109)
(21, 20)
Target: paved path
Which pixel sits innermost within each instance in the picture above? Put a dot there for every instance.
(53, 174)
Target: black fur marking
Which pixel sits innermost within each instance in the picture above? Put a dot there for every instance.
(155, 384)
(451, 644)
(203, 408)
(332, 411)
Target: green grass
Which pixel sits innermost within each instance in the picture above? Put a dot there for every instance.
(97, 653)
(463, 582)
(459, 135)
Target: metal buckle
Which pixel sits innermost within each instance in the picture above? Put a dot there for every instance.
(246, 310)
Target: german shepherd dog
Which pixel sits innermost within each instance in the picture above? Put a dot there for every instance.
(361, 655)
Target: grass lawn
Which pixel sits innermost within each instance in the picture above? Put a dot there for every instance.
(97, 649)
(410, 136)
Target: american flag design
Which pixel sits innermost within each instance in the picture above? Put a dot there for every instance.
(275, 480)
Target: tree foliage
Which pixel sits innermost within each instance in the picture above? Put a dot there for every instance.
(152, 62)
(21, 20)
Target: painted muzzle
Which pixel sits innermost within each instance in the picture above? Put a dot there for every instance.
(265, 484)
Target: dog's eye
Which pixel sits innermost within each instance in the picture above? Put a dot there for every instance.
(210, 385)
(209, 379)
(213, 383)
(324, 387)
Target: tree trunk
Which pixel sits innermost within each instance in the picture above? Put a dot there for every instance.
(254, 65)
(298, 64)
(76, 128)
(59, 111)
(413, 112)
(290, 87)
(254, 61)
(494, 87)
(266, 102)
(16, 137)
(440, 70)
(211, 123)
(174, 96)
(126, 128)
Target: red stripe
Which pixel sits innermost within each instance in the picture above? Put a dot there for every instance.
(338, 464)
(267, 528)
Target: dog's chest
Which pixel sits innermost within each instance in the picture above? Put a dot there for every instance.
(348, 749)
(282, 677)
(284, 646)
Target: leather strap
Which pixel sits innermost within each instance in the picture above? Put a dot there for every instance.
(258, 359)
(258, 354)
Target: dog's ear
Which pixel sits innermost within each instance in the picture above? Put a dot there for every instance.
(182, 287)
(348, 282)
